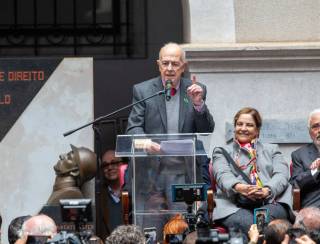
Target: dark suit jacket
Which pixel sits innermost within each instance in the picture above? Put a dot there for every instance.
(301, 175)
(111, 213)
(150, 117)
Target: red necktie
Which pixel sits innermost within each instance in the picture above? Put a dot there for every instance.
(173, 91)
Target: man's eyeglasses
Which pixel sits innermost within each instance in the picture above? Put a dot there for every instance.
(112, 164)
(174, 64)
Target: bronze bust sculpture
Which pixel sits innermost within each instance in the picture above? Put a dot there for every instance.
(72, 170)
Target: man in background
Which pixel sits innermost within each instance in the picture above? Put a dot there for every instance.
(38, 226)
(129, 234)
(308, 219)
(15, 228)
(306, 164)
(112, 172)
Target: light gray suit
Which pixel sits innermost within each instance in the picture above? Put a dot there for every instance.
(272, 170)
(150, 116)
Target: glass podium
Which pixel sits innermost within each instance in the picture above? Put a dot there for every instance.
(153, 173)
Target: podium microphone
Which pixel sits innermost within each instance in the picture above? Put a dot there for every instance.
(168, 89)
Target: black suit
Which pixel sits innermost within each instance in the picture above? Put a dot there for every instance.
(302, 177)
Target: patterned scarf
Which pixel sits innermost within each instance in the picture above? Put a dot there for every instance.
(250, 148)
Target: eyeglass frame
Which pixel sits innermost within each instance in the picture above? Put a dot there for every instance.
(113, 163)
(315, 126)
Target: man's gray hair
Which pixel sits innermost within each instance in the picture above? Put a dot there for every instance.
(129, 234)
(308, 218)
(15, 228)
(312, 113)
(183, 53)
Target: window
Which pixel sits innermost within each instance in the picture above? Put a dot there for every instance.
(99, 28)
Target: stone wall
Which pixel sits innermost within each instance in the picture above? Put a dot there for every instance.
(264, 54)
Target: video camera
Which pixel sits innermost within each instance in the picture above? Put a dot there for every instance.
(189, 193)
(76, 210)
(207, 235)
(79, 212)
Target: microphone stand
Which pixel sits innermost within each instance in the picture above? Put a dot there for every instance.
(94, 124)
(101, 118)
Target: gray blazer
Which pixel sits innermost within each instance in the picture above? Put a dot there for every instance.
(150, 117)
(301, 175)
(272, 170)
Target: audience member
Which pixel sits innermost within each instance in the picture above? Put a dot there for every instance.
(308, 218)
(273, 233)
(39, 225)
(15, 228)
(111, 192)
(258, 176)
(129, 234)
(276, 230)
(72, 170)
(304, 239)
(306, 229)
(175, 229)
(306, 164)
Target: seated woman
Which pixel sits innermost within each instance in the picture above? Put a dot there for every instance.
(267, 183)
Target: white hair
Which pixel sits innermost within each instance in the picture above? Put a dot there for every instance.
(183, 53)
(39, 225)
(312, 113)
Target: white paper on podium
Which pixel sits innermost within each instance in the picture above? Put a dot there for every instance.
(178, 147)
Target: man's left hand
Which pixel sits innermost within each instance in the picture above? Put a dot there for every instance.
(195, 92)
(315, 164)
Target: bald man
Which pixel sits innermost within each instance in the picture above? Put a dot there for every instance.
(39, 225)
